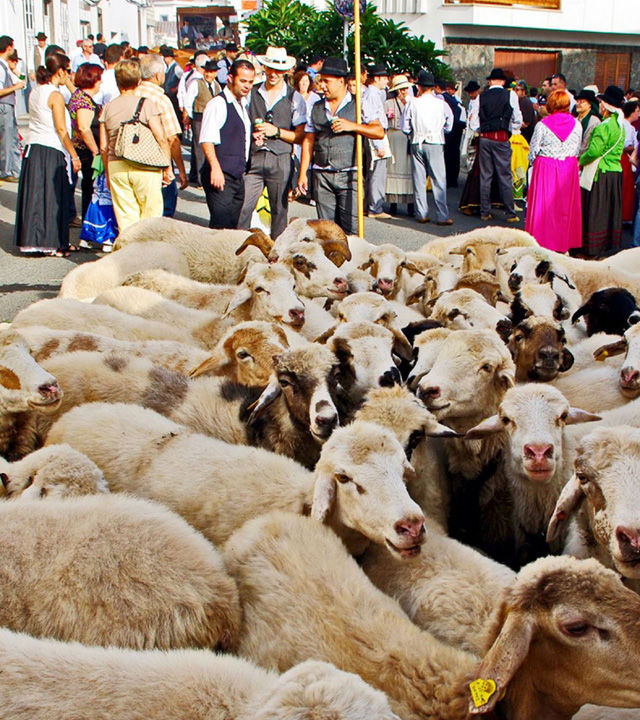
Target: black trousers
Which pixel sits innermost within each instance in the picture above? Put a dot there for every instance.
(224, 205)
(86, 160)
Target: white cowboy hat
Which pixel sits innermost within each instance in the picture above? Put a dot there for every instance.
(399, 82)
(277, 59)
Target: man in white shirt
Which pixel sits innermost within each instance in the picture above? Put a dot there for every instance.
(559, 82)
(109, 87)
(498, 117)
(373, 99)
(426, 119)
(225, 137)
(85, 56)
(187, 93)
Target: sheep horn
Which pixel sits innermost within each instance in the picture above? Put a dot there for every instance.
(258, 239)
(336, 250)
(269, 394)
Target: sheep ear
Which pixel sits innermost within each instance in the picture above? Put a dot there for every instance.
(213, 364)
(569, 501)
(506, 379)
(580, 312)
(342, 350)
(324, 497)
(411, 268)
(417, 294)
(401, 346)
(442, 431)
(240, 298)
(567, 360)
(561, 276)
(4, 479)
(366, 265)
(269, 394)
(616, 348)
(576, 415)
(505, 657)
(409, 475)
(542, 269)
(322, 339)
(490, 426)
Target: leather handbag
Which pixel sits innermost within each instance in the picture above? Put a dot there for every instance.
(137, 144)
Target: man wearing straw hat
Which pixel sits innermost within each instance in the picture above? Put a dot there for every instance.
(278, 116)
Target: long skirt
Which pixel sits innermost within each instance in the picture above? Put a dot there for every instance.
(470, 198)
(602, 214)
(399, 187)
(42, 213)
(554, 211)
(628, 189)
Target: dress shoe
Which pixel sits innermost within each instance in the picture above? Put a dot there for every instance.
(422, 221)
(445, 222)
(489, 216)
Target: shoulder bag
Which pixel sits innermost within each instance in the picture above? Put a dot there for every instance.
(136, 143)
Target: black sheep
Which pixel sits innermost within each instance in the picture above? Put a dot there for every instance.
(611, 311)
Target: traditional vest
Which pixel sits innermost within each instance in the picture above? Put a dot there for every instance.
(337, 151)
(281, 116)
(171, 80)
(495, 110)
(206, 91)
(230, 152)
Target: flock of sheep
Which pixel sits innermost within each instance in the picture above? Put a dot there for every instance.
(379, 484)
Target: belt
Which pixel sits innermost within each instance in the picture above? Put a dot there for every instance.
(499, 135)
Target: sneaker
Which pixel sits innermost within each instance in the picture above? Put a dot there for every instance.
(513, 219)
(486, 217)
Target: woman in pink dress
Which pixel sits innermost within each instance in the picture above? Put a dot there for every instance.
(554, 211)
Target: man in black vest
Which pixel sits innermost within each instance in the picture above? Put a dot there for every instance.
(499, 115)
(453, 139)
(278, 114)
(225, 138)
(330, 140)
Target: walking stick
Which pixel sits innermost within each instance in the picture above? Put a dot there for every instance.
(360, 182)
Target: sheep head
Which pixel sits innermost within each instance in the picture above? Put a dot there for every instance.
(538, 347)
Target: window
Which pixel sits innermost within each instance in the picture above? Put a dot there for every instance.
(612, 69)
(547, 4)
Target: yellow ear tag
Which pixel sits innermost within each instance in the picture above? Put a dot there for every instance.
(481, 691)
(602, 356)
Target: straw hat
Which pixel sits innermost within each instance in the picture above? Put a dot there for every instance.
(399, 82)
(277, 59)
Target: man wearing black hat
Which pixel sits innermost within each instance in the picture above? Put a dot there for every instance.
(426, 119)
(452, 140)
(588, 113)
(330, 142)
(499, 115)
(38, 55)
(373, 99)
(231, 53)
(172, 79)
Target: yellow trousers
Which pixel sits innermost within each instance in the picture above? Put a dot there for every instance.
(136, 192)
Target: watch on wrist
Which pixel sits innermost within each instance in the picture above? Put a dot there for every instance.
(277, 135)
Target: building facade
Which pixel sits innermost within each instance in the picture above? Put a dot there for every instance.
(590, 41)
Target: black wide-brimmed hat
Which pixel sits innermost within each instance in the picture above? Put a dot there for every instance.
(41, 36)
(334, 67)
(378, 70)
(586, 95)
(613, 95)
(167, 52)
(497, 74)
(425, 79)
(471, 86)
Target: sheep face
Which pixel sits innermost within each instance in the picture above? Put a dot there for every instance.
(524, 265)
(534, 299)
(578, 613)
(308, 379)
(315, 275)
(538, 348)
(470, 375)
(629, 378)
(483, 283)
(426, 347)
(24, 385)
(466, 309)
(269, 290)
(245, 354)
(607, 469)
(533, 417)
(361, 481)
(386, 264)
(611, 311)
(319, 690)
(477, 255)
(367, 307)
(54, 471)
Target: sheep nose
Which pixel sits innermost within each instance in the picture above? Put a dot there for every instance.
(514, 281)
(297, 317)
(326, 424)
(390, 378)
(50, 391)
(629, 377)
(385, 284)
(340, 284)
(411, 526)
(429, 393)
(548, 355)
(538, 453)
(628, 539)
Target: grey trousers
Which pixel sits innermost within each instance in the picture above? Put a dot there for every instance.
(10, 158)
(274, 172)
(197, 158)
(495, 157)
(428, 159)
(376, 187)
(336, 196)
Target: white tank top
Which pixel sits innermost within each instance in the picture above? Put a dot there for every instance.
(41, 128)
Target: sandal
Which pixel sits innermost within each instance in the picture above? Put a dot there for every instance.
(73, 248)
(61, 254)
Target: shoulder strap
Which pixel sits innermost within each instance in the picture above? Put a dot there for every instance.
(136, 115)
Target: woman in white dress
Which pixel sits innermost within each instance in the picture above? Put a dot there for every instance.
(399, 188)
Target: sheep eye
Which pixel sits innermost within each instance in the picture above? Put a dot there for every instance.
(505, 420)
(43, 492)
(513, 267)
(259, 289)
(284, 382)
(519, 337)
(298, 262)
(4, 479)
(29, 483)
(242, 354)
(486, 367)
(564, 416)
(578, 629)
(582, 478)
(341, 478)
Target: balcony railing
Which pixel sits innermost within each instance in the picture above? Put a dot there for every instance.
(547, 4)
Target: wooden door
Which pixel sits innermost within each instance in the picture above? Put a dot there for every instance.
(532, 66)
(612, 69)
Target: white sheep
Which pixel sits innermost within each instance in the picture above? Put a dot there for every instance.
(466, 309)
(358, 487)
(55, 471)
(86, 281)
(113, 570)
(494, 235)
(45, 679)
(304, 597)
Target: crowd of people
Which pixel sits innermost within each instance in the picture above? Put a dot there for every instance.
(270, 125)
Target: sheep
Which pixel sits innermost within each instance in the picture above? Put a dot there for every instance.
(304, 597)
(371, 307)
(330, 236)
(25, 388)
(599, 508)
(52, 472)
(465, 309)
(629, 372)
(426, 347)
(483, 283)
(45, 343)
(116, 571)
(538, 346)
(606, 378)
(436, 281)
(527, 459)
(497, 236)
(86, 281)
(386, 264)
(611, 311)
(45, 679)
(245, 353)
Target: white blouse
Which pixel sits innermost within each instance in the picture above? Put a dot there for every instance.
(546, 143)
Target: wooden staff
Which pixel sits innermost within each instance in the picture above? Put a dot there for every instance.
(360, 178)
